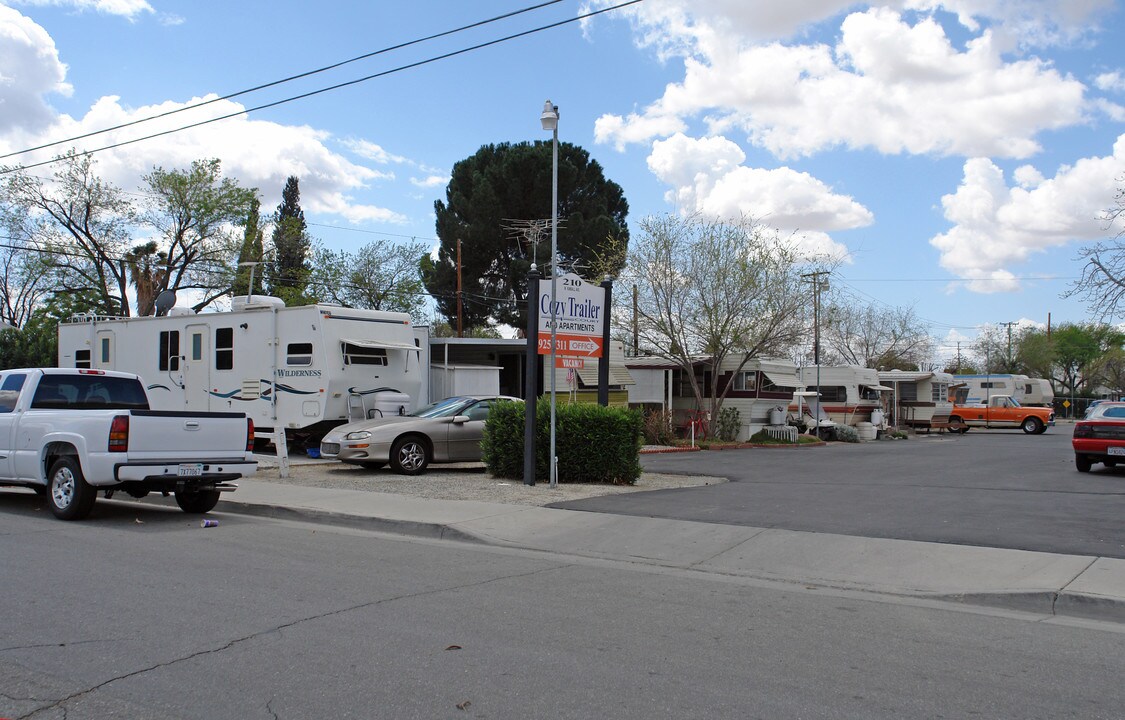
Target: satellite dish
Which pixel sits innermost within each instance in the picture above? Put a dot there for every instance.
(164, 302)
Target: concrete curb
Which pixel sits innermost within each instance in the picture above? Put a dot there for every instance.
(538, 529)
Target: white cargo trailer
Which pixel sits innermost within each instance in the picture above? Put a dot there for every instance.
(299, 369)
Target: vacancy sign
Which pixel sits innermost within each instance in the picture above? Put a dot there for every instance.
(569, 363)
(579, 312)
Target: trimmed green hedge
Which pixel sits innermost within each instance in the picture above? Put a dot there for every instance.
(594, 444)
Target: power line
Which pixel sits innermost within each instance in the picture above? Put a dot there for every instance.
(337, 86)
(291, 78)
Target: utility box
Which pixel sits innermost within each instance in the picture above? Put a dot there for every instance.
(450, 380)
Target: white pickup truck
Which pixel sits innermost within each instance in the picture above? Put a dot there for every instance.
(69, 433)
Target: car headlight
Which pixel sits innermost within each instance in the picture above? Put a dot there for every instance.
(358, 435)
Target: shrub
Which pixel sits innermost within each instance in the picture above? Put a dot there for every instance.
(847, 433)
(593, 443)
(730, 420)
(658, 427)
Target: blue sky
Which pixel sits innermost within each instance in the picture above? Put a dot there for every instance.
(957, 154)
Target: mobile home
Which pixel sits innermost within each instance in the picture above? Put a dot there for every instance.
(850, 394)
(762, 385)
(919, 400)
(976, 389)
(301, 369)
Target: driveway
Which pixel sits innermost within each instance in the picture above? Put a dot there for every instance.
(994, 488)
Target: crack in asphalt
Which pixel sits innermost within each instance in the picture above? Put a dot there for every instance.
(61, 703)
(48, 645)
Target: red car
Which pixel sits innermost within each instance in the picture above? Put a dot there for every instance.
(1100, 436)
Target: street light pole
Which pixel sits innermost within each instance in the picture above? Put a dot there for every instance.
(550, 120)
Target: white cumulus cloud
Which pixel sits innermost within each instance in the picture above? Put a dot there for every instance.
(888, 83)
(30, 69)
(706, 175)
(125, 8)
(996, 226)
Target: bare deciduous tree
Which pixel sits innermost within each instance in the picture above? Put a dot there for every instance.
(872, 336)
(1102, 284)
(710, 290)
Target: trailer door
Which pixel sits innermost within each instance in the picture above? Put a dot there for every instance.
(197, 368)
(103, 351)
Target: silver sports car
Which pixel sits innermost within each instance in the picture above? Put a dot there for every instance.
(446, 431)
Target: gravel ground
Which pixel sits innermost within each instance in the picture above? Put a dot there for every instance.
(463, 481)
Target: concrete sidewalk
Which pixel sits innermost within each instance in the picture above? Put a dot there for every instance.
(1070, 585)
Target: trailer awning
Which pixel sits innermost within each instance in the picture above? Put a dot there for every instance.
(880, 387)
(385, 344)
(782, 379)
(618, 375)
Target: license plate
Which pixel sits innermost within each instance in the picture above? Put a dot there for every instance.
(191, 470)
(1116, 450)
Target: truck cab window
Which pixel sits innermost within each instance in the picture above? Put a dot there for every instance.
(10, 391)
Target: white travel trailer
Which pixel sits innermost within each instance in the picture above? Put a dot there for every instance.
(850, 394)
(920, 400)
(301, 369)
(976, 389)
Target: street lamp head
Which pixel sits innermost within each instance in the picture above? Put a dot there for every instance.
(550, 116)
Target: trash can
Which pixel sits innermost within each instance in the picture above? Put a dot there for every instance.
(777, 416)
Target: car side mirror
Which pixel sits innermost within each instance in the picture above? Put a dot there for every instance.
(459, 419)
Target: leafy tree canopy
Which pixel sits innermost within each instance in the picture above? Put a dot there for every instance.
(488, 196)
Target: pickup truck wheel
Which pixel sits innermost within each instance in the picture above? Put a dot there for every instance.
(1031, 425)
(68, 493)
(409, 456)
(1083, 463)
(197, 502)
(957, 425)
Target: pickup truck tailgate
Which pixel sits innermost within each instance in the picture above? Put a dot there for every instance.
(168, 435)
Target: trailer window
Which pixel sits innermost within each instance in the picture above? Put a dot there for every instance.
(358, 355)
(105, 351)
(908, 392)
(81, 358)
(224, 348)
(169, 350)
(299, 354)
(939, 392)
(833, 393)
(746, 381)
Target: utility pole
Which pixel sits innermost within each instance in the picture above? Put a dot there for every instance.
(958, 357)
(818, 284)
(459, 287)
(1009, 365)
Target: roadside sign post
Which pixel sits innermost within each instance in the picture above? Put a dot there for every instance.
(603, 364)
(531, 372)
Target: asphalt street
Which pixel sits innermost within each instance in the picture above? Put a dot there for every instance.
(995, 488)
(140, 613)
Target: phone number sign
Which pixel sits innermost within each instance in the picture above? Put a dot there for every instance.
(579, 315)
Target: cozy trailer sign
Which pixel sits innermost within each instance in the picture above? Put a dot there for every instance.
(579, 313)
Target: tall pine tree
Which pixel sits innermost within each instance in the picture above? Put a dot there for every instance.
(288, 274)
(251, 251)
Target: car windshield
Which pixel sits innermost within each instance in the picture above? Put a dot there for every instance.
(443, 408)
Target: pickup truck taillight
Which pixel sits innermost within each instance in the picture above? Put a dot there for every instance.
(119, 434)
(249, 435)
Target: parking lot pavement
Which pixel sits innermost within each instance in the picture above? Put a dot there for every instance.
(998, 488)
